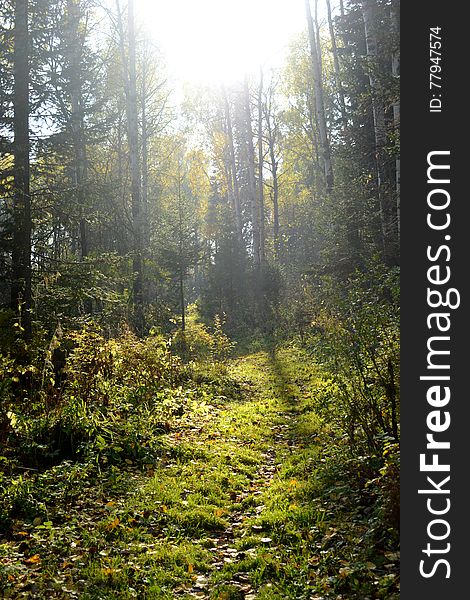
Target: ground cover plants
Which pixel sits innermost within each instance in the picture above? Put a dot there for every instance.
(155, 478)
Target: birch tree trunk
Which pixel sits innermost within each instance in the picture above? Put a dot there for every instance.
(319, 103)
(275, 200)
(271, 128)
(318, 40)
(21, 296)
(334, 47)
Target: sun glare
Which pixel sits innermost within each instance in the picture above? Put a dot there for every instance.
(215, 41)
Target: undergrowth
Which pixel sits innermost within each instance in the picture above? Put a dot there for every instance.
(135, 474)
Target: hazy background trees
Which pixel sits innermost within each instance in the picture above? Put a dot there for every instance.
(121, 206)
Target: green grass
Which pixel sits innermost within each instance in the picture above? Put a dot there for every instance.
(241, 501)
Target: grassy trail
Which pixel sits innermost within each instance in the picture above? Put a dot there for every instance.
(232, 511)
(229, 507)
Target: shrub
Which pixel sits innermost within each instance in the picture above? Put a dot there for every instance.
(356, 332)
(200, 342)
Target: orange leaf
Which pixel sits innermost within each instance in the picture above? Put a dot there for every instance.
(190, 568)
(114, 523)
(33, 560)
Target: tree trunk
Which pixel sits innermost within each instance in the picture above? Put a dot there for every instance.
(76, 120)
(275, 206)
(318, 41)
(273, 161)
(145, 168)
(229, 177)
(145, 153)
(21, 297)
(260, 171)
(271, 136)
(319, 103)
(251, 180)
(183, 311)
(180, 251)
(75, 42)
(380, 133)
(137, 215)
(236, 187)
(334, 47)
(130, 87)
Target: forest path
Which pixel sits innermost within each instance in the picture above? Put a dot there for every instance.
(226, 513)
(265, 420)
(229, 549)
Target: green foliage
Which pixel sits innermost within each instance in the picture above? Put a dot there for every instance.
(356, 331)
(8, 377)
(17, 498)
(194, 343)
(200, 342)
(76, 293)
(222, 345)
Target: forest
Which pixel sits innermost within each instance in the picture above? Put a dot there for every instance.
(199, 309)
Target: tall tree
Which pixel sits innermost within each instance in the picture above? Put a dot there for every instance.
(255, 215)
(319, 101)
(272, 140)
(76, 120)
(181, 266)
(233, 181)
(334, 48)
(21, 297)
(145, 142)
(130, 86)
(369, 14)
(178, 245)
(137, 212)
(262, 235)
(318, 39)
